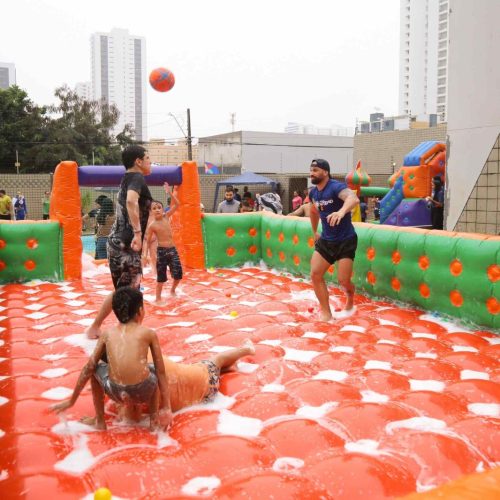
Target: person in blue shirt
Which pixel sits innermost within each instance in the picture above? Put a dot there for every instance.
(437, 203)
(332, 202)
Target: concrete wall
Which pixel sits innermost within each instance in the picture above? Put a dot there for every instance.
(274, 153)
(473, 114)
(377, 151)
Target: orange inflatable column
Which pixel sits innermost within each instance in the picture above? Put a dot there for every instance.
(65, 206)
(187, 220)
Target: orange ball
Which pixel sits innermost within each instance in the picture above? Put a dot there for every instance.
(162, 79)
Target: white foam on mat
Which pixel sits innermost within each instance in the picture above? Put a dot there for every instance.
(227, 317)
(201, 486)
(49, 340)
(386, 322)
(81, 340)
(464, 348)
(220, 402)
(54, 357)
(364, 446)
(75, 303)
(3, 400)
(315, 412)
(183, 324)
(272, 343)
(473, 375)
(32, 307)
(211, 307)
(164, 441)
(37, 315)
(2, 433)
(245, 367)
(429, 355)
(287, 464)
(353, 328)
(314, 335)
(386, 341)
(198, 337)
(44, 326)
(373, 397)
(83, 312)
(79, 460)
(85, 321)
(71, 427)
(220, 348)
(57, 393)
(378, 365)
(426, 385)
(424, 335)
(485, 409)
(235, 425)
(273, 388)
(71, 295)
(4, 474)
(334, 375)
(54, 372)
(246, 329)
(175, 359)
(342, 348)
(299, 355)
(249, 303)
(424, 424)
(291, 323)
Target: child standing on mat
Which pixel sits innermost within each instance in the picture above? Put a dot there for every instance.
(126, 378)
(166, 255)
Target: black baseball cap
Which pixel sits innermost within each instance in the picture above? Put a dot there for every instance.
(323, 164)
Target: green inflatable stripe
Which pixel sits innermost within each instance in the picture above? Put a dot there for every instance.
(31, 251)
(374, 191)
(437, 271)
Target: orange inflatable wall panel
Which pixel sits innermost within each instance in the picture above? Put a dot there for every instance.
(65, 206)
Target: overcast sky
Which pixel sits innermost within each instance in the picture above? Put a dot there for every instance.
(320, 62)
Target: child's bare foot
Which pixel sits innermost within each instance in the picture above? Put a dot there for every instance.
(93, 332)
(326, 316)
(248, 344)
(100, 425)
(88, 420)
(172, 293)
(160, 303)
(349, 302)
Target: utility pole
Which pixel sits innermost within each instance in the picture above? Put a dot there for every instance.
(17, 164)
(189, 139)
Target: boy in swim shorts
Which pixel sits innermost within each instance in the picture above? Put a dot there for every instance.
(126, 378)
(166, 255)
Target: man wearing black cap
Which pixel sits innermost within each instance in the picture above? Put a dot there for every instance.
(437, 203)
(332, 202)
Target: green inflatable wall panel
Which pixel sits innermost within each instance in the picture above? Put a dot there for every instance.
(457, 275)
(31, 251)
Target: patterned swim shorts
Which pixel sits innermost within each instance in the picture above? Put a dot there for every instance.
(213, 379)
(125, 266)
(168, 257)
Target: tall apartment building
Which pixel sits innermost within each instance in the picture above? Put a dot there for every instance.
(7, 75)
(423, 58)
(84, 90)
(119, 76)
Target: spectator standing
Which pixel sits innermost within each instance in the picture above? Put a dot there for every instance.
(46, 205)
(296, 200)
(105, 219)
(6, 206)
(437, 203)
(229, 205)
(20, 207)
(237, 195)
(363, 208)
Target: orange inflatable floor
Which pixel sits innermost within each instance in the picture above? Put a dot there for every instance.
(383, 403)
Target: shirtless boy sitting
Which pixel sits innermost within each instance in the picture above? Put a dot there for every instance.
(126, 378)
(167, 255)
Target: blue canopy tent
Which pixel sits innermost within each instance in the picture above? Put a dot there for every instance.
(248, 178)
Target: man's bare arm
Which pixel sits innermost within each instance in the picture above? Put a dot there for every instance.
(350, 201)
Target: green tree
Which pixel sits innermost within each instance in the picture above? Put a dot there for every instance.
(73, 129)
(22, 126)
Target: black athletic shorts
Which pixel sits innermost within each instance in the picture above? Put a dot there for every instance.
(332, 251)
(168, 257)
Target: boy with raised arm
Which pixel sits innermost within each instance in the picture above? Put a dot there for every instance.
(166, 255)
(126, 378)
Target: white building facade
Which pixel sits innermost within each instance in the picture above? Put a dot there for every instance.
(423, 57)
(84, 90)
(7, 75)
(119, 76)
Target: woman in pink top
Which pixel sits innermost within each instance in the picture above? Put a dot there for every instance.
(296, 200)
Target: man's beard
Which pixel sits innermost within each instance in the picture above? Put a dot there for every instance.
(315, 180)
